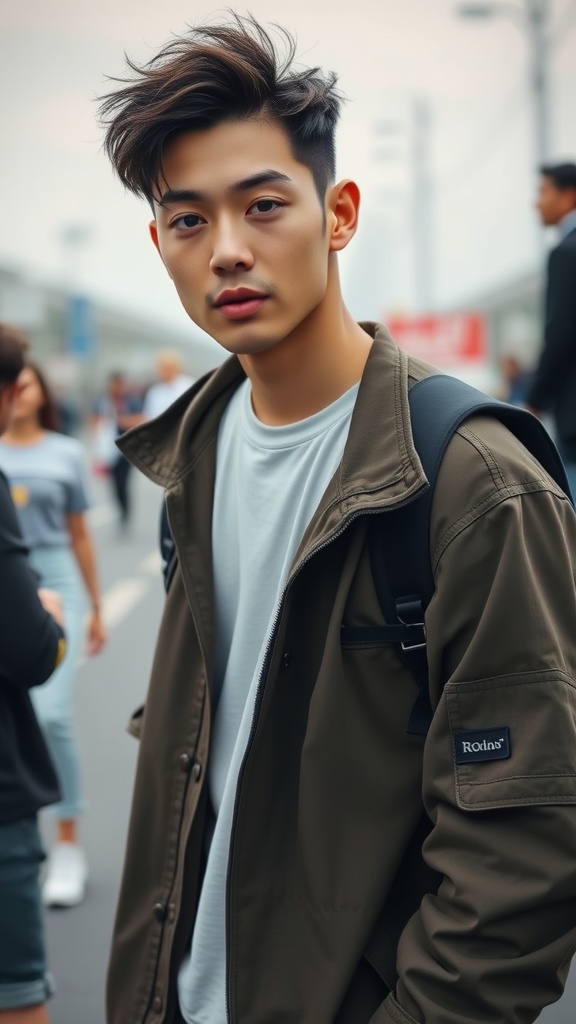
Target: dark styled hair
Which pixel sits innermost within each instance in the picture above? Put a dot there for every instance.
(216, 73)
(562, 175)
(48, 412)
(13, 347)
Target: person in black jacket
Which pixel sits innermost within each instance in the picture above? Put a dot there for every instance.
(554, 385)
(31, 645)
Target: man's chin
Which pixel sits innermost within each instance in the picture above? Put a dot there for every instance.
(245, 344)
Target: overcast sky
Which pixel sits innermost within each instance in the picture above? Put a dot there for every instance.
(473, 76)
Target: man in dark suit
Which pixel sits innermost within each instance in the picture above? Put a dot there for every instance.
(554, 385)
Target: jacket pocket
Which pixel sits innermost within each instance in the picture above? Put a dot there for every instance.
(136, 722)
(514, 740)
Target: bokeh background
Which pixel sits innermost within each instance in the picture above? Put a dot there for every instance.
(438, 130)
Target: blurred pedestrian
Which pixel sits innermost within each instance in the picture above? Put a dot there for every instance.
(516, 379)
(117, 411)
(69, 414)
(47, 477)
(554, 386)
(31, 646)
(299, 849)
(171, 382)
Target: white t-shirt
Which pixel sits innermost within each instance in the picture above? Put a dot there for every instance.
(269, 482)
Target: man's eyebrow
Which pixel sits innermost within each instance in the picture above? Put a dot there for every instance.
(191, 195)
(260, 178)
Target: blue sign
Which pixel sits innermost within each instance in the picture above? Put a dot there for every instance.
(80, 326)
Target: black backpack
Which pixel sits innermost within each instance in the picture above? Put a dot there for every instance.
(400, 554)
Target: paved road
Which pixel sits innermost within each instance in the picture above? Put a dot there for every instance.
(108, 689)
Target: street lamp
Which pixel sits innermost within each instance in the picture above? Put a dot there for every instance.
(533, 19)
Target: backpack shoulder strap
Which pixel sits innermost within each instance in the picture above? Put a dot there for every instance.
(438, 406)
(400, 540)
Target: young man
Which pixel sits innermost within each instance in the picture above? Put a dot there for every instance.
(296, 855)
(554, 386)
(31, 646)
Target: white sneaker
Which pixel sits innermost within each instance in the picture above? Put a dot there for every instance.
(65, 883)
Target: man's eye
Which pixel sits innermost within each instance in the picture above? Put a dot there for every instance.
(265, 205)
(188, 220)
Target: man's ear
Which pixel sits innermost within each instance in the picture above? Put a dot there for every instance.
(153, 229)
(342, 213)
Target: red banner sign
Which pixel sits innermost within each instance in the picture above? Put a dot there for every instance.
(444, 340)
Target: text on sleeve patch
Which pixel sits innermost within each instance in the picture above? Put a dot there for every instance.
(482, 745)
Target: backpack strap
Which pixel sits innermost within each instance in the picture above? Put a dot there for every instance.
(399, 540)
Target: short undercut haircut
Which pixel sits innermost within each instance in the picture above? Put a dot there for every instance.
(212, 74)
(563, 176)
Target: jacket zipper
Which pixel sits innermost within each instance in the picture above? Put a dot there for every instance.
(258, 703)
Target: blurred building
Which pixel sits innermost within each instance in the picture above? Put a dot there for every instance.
(79, 341)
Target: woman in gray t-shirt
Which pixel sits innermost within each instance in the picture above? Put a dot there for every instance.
(46, 471)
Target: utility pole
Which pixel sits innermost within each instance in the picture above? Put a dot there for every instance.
(539, 35)
(534, 20)
(421, 191)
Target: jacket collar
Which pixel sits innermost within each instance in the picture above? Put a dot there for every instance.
(380, 467)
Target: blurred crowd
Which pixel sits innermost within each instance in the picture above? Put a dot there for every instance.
(50, 601)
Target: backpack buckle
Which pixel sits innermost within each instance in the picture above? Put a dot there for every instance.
(410, 613)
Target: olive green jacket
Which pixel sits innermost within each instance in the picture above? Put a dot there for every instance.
(334, 915)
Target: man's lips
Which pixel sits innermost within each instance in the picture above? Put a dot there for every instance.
(237, 304)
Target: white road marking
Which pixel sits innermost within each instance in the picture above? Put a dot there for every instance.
(121, 598)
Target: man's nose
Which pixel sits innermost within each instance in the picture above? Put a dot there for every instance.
(230, 249)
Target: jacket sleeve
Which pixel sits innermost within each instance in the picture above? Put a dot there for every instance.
(559, 349)
(495, 941)
(31, 643)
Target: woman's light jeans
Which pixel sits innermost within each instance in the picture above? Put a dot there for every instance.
(53, 701)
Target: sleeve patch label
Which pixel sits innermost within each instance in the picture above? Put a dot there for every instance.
(483, 745)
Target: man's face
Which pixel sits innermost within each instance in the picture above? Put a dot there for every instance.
(554, 203)
(242, 233)
(166, 370)
(116, 388)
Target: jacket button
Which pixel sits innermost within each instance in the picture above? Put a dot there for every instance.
(159, 911)
(196, 771)
(185, 762)
(157, 1004)
(286, 660)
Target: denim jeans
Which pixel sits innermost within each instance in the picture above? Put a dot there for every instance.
(52, 701)
(24, 980)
